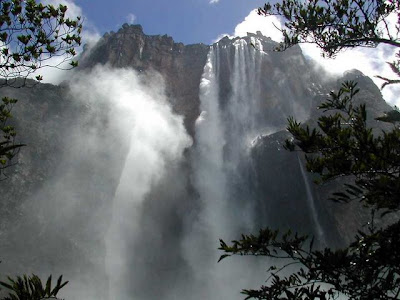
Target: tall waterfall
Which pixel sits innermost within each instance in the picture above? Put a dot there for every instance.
(224, 132)
(310, 201)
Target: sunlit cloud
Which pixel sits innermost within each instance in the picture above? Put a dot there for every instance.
(370, 61)
(130, 18)
(268, 26)
(214, 1)
(252, 23)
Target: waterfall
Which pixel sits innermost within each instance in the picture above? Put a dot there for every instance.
(211, 182)
(311, 204)
(223, 135)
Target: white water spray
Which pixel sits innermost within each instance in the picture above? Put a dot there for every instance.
(210, 181)
(156, 139)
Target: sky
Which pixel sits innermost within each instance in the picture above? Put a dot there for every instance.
(205, 21)
(187, 21)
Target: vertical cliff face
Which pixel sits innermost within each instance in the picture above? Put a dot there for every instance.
(111, 193)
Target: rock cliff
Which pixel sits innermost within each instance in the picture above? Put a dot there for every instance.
(57, 202)
(180, 65)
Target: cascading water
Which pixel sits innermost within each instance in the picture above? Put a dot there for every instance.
(210, 181)
(223, 137)
(311, 204)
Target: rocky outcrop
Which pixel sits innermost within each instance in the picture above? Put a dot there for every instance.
(180, 65)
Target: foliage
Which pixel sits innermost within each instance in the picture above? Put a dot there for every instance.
(367, 269)
(342, 146)
(8, 147)
(31, 288)
(30, 35)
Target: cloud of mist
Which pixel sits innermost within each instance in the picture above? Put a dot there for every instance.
(156, 138)
(130, 18)
(112, 137)
(370, 61)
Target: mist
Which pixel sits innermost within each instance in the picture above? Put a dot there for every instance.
(155, 137)
(117, 146)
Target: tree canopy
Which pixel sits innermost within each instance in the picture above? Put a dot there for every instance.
(341, 146)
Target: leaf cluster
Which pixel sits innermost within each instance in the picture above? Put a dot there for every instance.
(367, 269)
(31, 33)
(8, 147)
(31, 288)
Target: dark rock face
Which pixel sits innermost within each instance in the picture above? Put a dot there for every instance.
(47, 116)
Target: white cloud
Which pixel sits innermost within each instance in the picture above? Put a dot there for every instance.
(370, 61)
(268, 26)
(130, 18)
(141, 118)
(213, 1)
